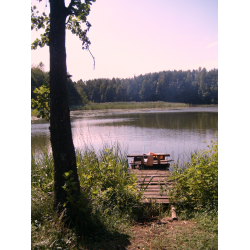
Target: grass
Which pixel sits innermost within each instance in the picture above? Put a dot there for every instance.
(129, 105)
(109, 201)
(168, 234)
(124, 105)
(110, 211)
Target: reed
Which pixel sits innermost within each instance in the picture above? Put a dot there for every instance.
(129, 105)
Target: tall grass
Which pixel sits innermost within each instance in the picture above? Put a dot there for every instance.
(105, 178)
(195, 194)
(129, 105)
(109, 199)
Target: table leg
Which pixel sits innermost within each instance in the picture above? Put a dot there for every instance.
(142, 160)
(159, 159)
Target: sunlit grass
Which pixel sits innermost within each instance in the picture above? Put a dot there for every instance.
(129, 105)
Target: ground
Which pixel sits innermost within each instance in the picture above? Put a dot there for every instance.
(161, 234)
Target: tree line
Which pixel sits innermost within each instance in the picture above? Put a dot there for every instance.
(194, 87)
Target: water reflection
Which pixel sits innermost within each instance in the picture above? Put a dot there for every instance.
(177, 132)
(176, 121)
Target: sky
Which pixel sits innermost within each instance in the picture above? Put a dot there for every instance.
(133, 37)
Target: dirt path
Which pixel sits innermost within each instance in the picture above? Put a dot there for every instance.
(155, 234)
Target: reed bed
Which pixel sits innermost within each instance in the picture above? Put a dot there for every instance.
(129, 105)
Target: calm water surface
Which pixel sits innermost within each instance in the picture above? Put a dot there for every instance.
(177, 132)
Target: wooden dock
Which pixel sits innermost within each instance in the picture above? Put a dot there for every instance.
(156, 184)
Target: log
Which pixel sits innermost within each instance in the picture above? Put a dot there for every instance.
(174, 217)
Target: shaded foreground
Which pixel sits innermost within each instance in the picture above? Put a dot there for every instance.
(155, 233)
(110, 214)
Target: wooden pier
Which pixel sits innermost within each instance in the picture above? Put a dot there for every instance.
(155, 184)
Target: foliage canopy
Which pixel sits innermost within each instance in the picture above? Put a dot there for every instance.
(77, 12)
(41, 103)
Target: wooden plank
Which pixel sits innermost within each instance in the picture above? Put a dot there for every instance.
(152, 178)
(153, 183)
(153, 196)
(154, 186)
(155, 162)
(154, 189)
(149, 180)
(165, 189)
(143, 155)
(166, 174)
(164, 201)
(150, 172)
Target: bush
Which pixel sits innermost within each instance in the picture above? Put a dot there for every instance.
(197, 182)
(106, 180)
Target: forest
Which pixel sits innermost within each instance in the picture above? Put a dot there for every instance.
(193, 87)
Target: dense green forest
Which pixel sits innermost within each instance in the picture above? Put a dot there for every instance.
(193, 87)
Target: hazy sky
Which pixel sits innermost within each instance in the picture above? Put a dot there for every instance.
(133, 37)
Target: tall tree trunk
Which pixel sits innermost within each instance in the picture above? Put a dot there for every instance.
(60, 127)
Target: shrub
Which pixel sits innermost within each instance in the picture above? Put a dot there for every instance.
(108, 183)
(197, 181)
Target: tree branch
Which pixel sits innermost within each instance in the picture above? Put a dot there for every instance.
(70, 7)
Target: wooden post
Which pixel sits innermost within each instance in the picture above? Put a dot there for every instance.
(159, 159)
(142, 160)
(174, 217)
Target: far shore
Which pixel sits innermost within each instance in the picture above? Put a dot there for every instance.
(130, 105)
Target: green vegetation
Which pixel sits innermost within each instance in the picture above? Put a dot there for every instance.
(40, 78)
(195, 195)
(41, 102)
(129, 105)
(197, 182)
(109, 200)
(189, 87)
(194, 87)
(109, 213)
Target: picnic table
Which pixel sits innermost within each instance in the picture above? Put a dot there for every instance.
(159, 157)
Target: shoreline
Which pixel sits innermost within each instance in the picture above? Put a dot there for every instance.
(118, 106)
(128, 105)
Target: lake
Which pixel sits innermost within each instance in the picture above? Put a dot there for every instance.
(177, 132)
